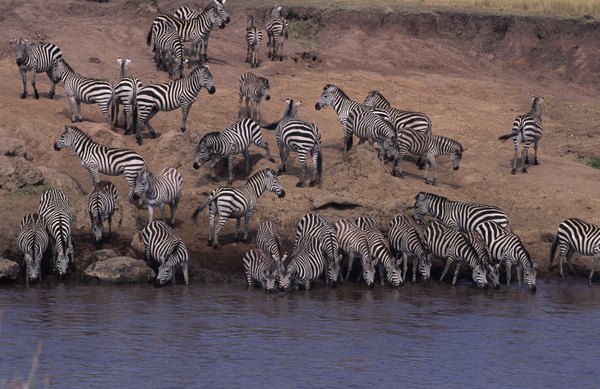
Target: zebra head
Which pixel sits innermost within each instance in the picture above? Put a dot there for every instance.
(22, 51)
(263, 88)
(333, 272)
(284, 279)
(203, 150)
(394, 276)
(206, 78)
(269, 278)
(421, 207)
(327, 97)
(33, 263)
(457, 156)
(369, 273)
(67, 138)
(143, 181)
(97, 226)
(291, 108)
(376, 99)
(219, 7)
(425, 267)
(272, 183)
(165, 272)
(284, 32)
(530, 270)
(61, 265)
(479, 276)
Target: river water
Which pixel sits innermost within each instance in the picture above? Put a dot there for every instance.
(222, 335)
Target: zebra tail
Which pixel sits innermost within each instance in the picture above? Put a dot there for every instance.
(149, 36)
(505, 137)
(134, 109)
(270, 126)
(319, 162)
(199, 208)
(553, 251)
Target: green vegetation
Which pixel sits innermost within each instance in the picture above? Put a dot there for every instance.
(594, 162)
(303, 31)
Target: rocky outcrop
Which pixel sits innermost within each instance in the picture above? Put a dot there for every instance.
(9, 270)
(119, 270)
(16, 169)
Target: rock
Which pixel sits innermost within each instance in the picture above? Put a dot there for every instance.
(119, 270)
(13, 147)
(17, 172)
(58, 179)
(9, 270)
(136, 247)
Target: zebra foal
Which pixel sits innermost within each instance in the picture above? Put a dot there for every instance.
(305, 264)
(162, 247)
(261, 269)
(41, 58)
(33, 242)
(55, 210)
(253, 89)
(407, 240)
(102, 203)
(159, 190)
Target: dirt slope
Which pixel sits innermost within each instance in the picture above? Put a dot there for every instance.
(471, 74)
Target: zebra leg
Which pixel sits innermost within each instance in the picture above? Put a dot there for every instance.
(524, 159)
(302, 162)
(514, 168)
(109, 226)
(24, 80)
(205, 48)
(174, 206)
(211, 222)
(381, 273)
(283, 153)
(594, 260)
(246, 155)
(185, 110)
(248, 49)
(246, 226)
(162, 213)
(52, 84)
(35, 91)
(265, 146)
(431, 163)
(73, 107)
(508, 270)
(456, 271)
(237, 228)
(446, 267)
(535, 149)
(78, 103)
(350, 262)
(184, 270)
(150, 115)
(569, 257)
(150, 213)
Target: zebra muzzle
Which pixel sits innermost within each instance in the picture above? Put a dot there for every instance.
(455, 167)
(212, 90)
(196, 165)
(318, 106)
(281, 194)
(56, 147)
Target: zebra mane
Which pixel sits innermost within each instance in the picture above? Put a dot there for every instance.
(211, 134)
(430, 195)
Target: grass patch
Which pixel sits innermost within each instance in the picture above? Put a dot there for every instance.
(303, 31)
(594, 162)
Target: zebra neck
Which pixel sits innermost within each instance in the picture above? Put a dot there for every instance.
(81, 142)
(151, 188)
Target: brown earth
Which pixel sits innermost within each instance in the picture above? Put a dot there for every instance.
(472, 74)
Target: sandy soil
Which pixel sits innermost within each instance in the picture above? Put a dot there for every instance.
(471, 74)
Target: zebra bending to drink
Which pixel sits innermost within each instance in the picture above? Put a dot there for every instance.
(159, 190)
(353, 242)
(268, 240)
(576, 235)
(162, 247)
(33, 242)
(102, 203)
(41, 58)
(55, 210)
(305, 265)
(492, 267)
(229, 142)
(254, 39)
(253, 88)
(526, 129)
(261, 269)
(238, 202)
(407, 240)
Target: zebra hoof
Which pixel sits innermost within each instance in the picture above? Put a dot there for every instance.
(183, 129)
(50, 96)
(23, 95)
(524, 170)
(313, 183)
(513, 172)
(300, 184)
(153, 135)
(536, 162)
(527, 161)
(139, 141)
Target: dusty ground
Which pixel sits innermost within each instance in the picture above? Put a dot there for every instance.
(471, 74)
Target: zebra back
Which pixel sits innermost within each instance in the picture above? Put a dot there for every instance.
(262, 269)
(178, 258)
(54, 208)
(268, 240)
(101, 205)
(407, 239)
(400, 119)
(353, 241)
(306, 263)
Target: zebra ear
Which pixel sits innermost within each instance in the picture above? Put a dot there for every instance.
(128, 61)
(119, 60)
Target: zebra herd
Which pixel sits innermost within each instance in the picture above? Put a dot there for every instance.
(476, 235)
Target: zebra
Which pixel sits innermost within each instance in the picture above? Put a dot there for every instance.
(37, 59)
(456, 214)
(55, 210)
(102, 203)
(238, 202)
(268, 240)
(277, 33)
(380, 251)
(229, 142)
(159, 190)
(81, 89)
(492, 268)
(169, 45)
(33, 242)
(353, 241)
(101, 159)
(526, 129)
(428, 146)
(576, 235)
(261, 269)
(253, 88)
(301, 136)
(507, 247)
(161, 246)
(452, 245)
(305, 264)
(400, 119)
(126, 89)
(275, 14)
(407, 240)
(317, 226)
(254, 38)
(169, 96)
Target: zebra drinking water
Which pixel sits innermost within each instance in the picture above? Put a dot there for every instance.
(407, 240)
(229, 142)
(268, 240)
(159, 190)
(253, 88)
(261, 269)
(353, 242)
(305, 265)
(33, 242)
(492, 267)
(238, 202)
(126, 89)
(254, 38)
(41, 58)
(102, 203)
(55, 210)
(164, 248)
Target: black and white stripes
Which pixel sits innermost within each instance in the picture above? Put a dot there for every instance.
(253, 89)
(41, 58)
(55, 210)
(102, 203)
(160, 190)
(164, 248)
(33, 242)
(254, 39)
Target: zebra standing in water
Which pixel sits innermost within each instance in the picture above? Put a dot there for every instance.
(254, 38)
(169, 96)
(268, 240)
(507, 247)
(492, 268)
(451, 246)
(126, 90)
(428, 146)
(576, 235)
(37, 59)
(162, 247)
(33, 242)
(305, 265)
(169, 53)
(418, 121)
(102, 203)
(161, 190)
(315, 225)
(380, 251)
(301, 136)
(527, 129)
(353, 241)
(55, 210)
(238, 202)
(456, 214)
(407, 239)
(253, 88)
(101, 159)
(81, 89)
(228, 143)
(262, 269)
(277, 32)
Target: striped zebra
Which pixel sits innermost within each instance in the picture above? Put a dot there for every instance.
(506, 247)
(228, 143)
(428, 146)
(418, 121)
(407, 240)
(159, 190)
(55, 210)
(261, 270)
(276, 12)
(33, 242)
(268, 240)
(315, 225)
(381, 252)
(101, 159)
(126, 89)
(353, 242)
(102, 203)
(238, 202)
(492, 268)
(305, 264)
(169, 53)
(162, 247)
(41, 58)
(451, 246)
(576, 235)
(301, 136)
(456, 214)
(254, 38)
(277, 33)
(81, 89)
(526, 129)
(171, 95)
(253, 88)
